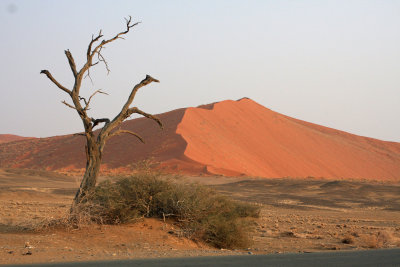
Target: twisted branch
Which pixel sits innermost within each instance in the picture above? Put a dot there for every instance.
(84, 99)
(118, 132)
(144, 114)
(97, 121)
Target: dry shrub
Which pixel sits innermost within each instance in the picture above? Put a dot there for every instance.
(385, 238)
(288, 234)
(348, 239)
(355, 234)
(378, 240)
(370, 241)
(78, 219)
(199, 211)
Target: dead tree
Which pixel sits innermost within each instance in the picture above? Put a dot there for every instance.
(95, 143)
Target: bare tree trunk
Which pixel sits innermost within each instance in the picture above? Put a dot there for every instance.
(93, 162)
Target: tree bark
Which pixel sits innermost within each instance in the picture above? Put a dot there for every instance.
(94, 155)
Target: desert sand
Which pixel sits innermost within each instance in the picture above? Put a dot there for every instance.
(230, 138)
(298, 215)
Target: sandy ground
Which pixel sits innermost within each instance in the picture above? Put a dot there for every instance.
(297, 216)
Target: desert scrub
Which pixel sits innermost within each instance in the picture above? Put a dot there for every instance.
(199, 211)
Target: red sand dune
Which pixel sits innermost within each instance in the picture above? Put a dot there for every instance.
(228, 138)
(5, 138)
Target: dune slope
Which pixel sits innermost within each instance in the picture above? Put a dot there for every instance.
(68, 152)
(228, 138)
(243, 137)
(5, 138)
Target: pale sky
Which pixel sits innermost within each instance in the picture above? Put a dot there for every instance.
(334, 63)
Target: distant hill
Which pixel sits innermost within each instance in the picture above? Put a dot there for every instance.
(226, 138)
(5, 138)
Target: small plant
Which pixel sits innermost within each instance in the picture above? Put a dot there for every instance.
(349, 239)
(199, 211)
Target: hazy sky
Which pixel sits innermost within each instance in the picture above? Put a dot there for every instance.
(334, 63)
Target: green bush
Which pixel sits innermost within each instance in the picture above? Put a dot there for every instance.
(199, 211)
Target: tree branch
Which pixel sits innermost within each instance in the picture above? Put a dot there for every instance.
(144, 82)
(144, 114)
(101, 58)
(84, 100)
(118, 132)
(125, 113)
(68, 105)
(87, 103)
(97, 121)
(97, 49)
(71, 62)
(89, 51)
(48, 74)
(118, 36)
(88, 73)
